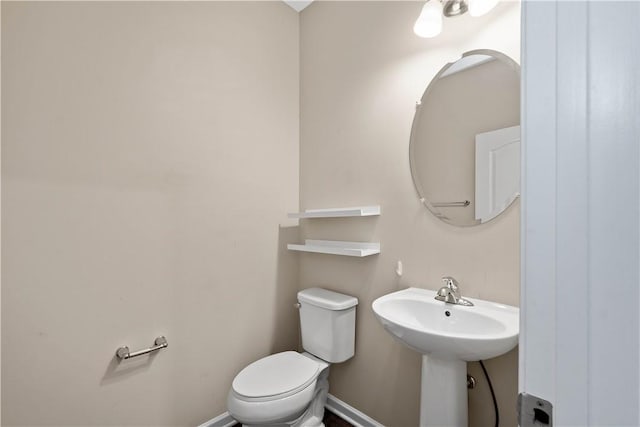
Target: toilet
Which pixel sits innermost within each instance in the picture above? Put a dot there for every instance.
(290, 388)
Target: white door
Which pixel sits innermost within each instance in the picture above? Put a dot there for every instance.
(497, 171)
(580, 299)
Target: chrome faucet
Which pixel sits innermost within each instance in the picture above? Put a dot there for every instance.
(450, 292)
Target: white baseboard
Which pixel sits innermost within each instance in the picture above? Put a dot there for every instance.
(349, 413)
(335, 405)
(222, 420)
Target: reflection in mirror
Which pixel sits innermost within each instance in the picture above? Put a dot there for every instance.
(465, 139)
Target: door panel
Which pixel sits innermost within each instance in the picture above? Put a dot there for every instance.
(497, 171)
(580, 326)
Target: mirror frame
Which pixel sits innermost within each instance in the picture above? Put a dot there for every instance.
(499, 56)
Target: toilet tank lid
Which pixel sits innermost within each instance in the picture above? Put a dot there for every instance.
(327, 299)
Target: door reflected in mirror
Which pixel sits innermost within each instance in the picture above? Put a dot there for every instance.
(465, 139)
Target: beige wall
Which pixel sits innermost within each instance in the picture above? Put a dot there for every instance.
(149, 152)
(362, 70)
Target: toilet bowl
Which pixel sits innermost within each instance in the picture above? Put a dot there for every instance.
(290, 388)
(279, 390)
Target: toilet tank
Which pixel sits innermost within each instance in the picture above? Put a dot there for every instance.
(328, 324)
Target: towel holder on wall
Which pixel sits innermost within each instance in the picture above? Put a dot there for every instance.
(123, 353)
(462, 204)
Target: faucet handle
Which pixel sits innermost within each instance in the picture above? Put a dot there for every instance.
(450, 283)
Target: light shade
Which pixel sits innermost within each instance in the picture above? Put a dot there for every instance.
(429, 23)
(480, 7)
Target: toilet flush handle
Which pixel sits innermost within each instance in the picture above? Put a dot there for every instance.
(297, 305)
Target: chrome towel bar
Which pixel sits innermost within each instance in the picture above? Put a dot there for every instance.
(462, 204)
(123, 353)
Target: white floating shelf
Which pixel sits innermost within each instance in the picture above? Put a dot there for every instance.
(357, 249)
(337, 212)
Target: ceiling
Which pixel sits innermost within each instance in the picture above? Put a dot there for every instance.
(298, 5)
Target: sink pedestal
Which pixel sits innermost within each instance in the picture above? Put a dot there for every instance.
(447, 335)
(443, 394)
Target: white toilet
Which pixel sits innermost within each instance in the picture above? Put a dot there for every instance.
(290, 388)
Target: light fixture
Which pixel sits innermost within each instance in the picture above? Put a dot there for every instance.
(454, 8)
(429, 23)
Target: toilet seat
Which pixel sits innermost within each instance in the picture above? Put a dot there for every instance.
(275, 377)
(275, 389)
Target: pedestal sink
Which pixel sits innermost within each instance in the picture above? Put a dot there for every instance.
(447, 336)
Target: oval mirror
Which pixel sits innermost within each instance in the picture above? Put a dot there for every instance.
(465, 139)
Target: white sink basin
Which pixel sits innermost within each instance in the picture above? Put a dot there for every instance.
(418, 320)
